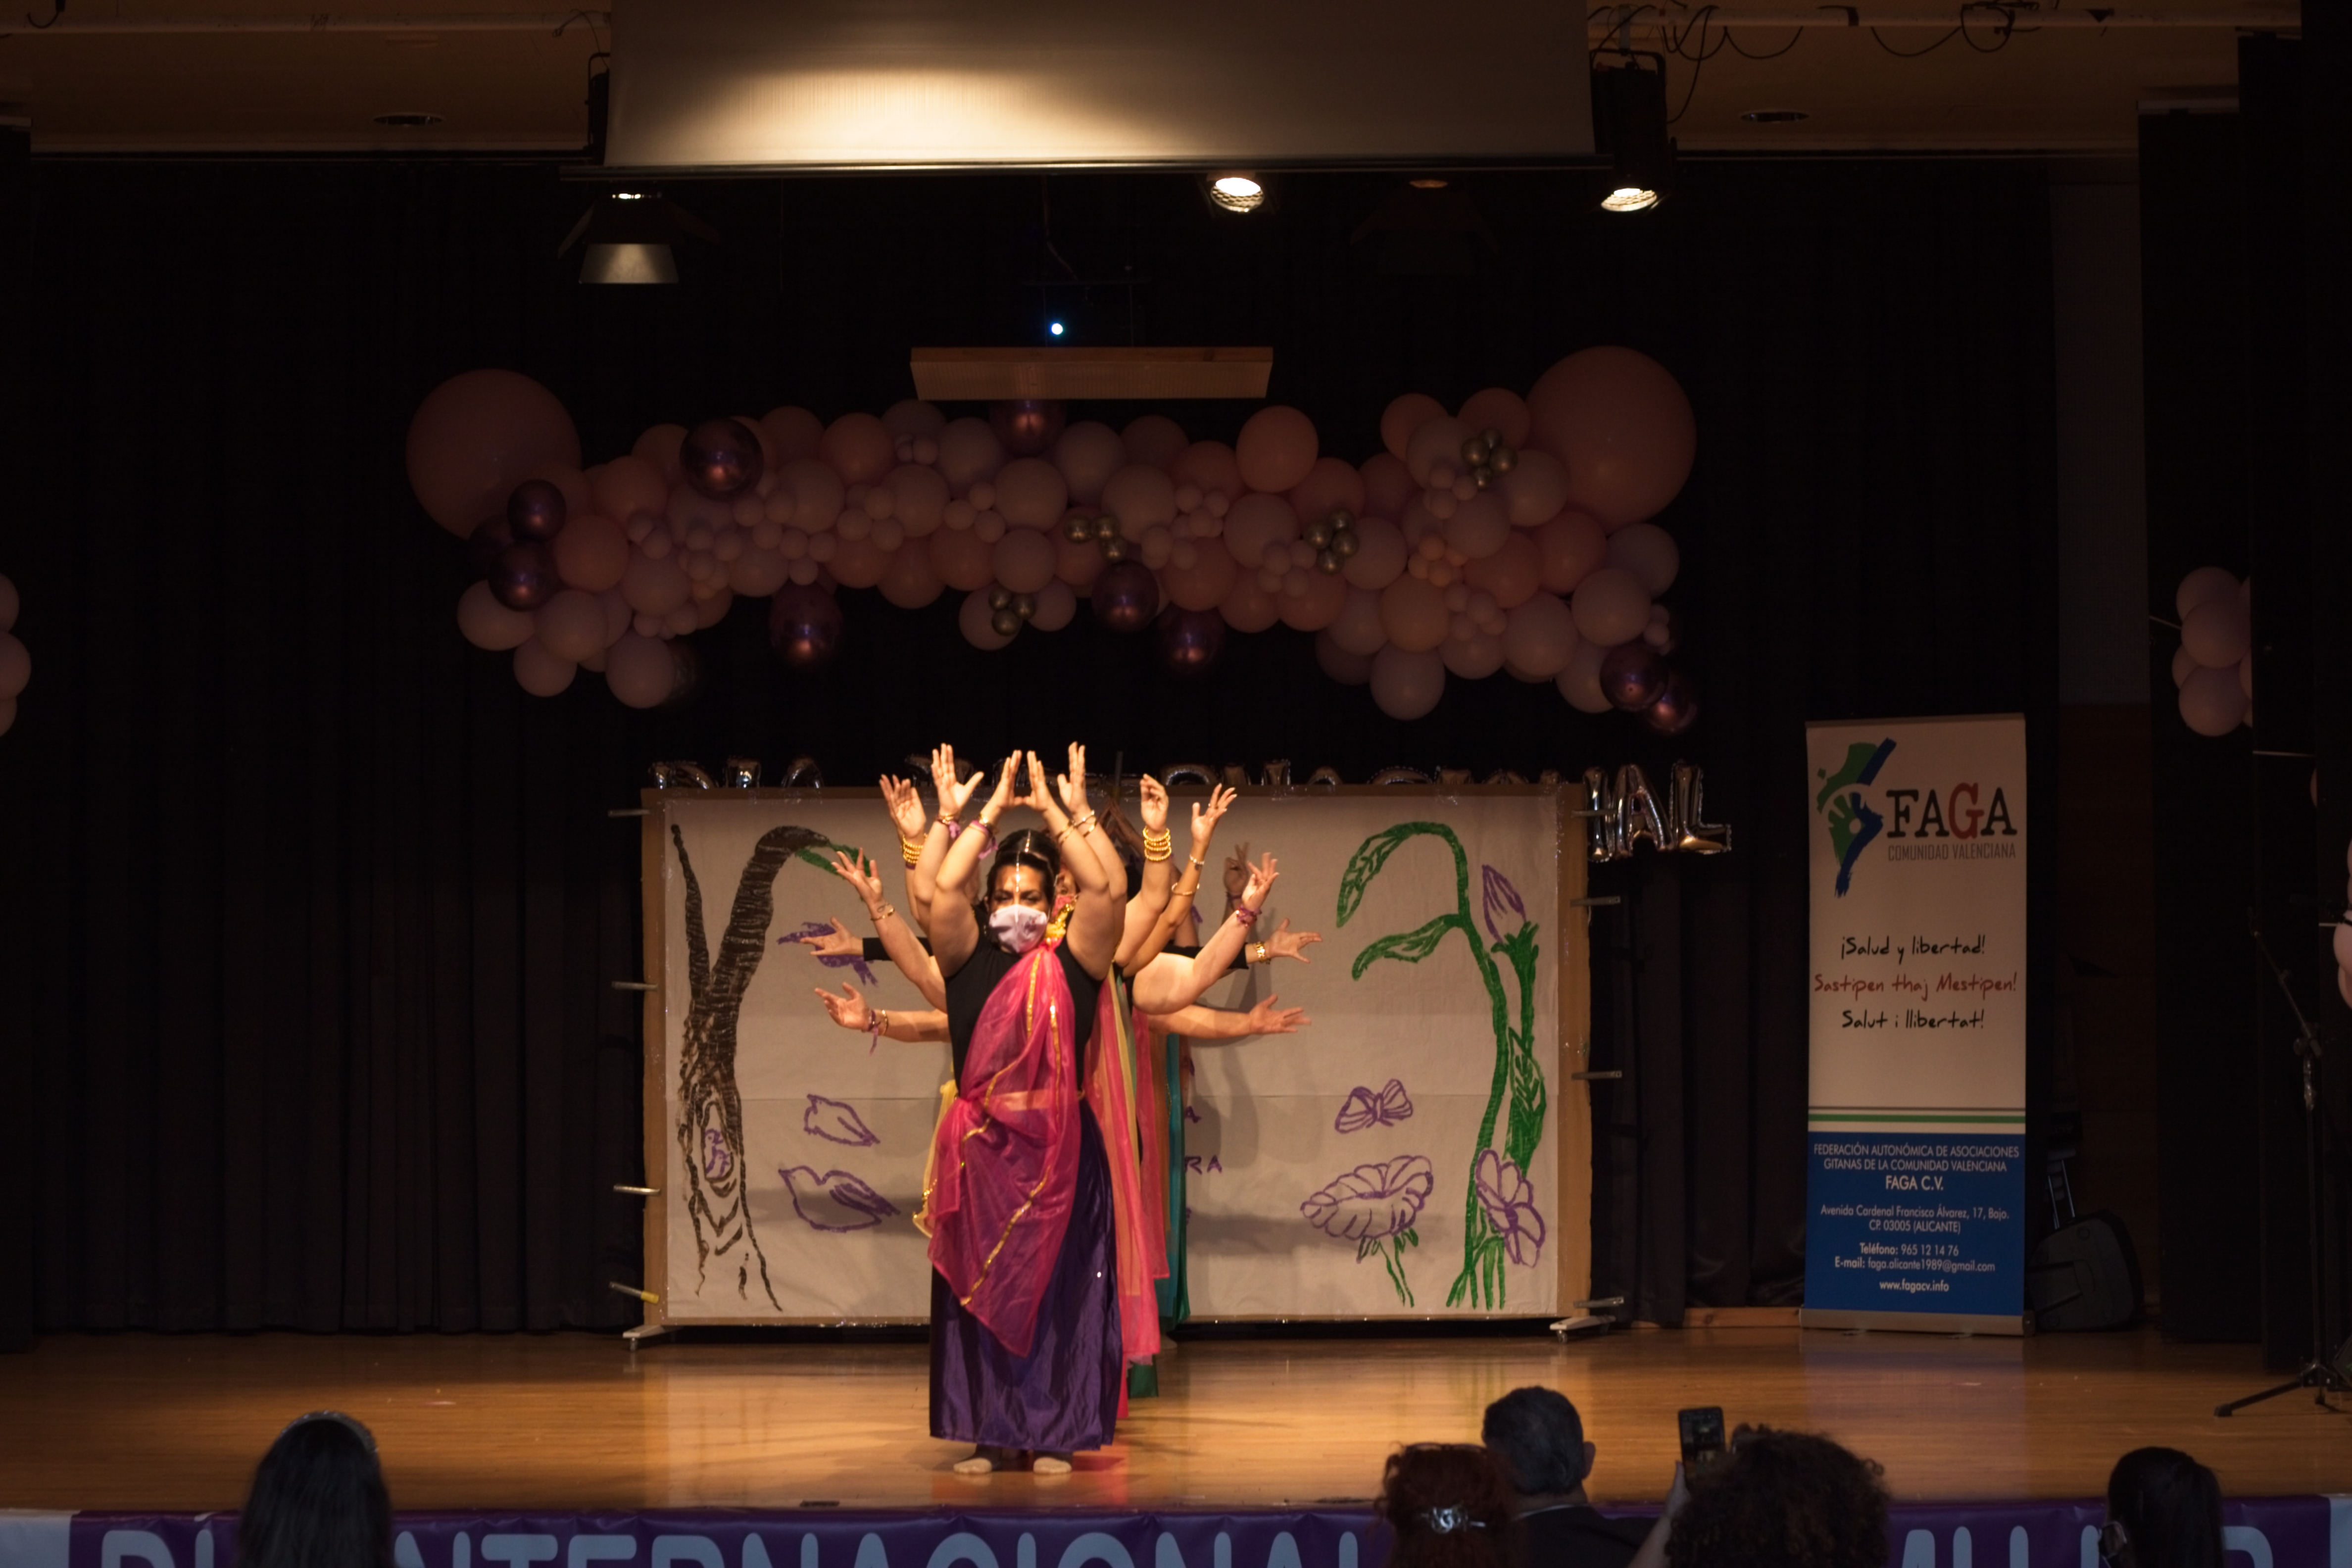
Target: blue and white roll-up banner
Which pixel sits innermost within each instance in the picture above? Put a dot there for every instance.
(1915, 1119)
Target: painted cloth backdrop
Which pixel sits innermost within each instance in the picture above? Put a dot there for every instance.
(1396, 1157)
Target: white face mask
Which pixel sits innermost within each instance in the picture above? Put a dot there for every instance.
(1018, 927)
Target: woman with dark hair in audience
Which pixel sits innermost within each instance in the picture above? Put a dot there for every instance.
(1448, 1505)
(317, 1500)
(2164, 1511)
(1779, 1499)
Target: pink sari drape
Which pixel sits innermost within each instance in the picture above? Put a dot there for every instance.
(1112, 1091)
(1004, 1157)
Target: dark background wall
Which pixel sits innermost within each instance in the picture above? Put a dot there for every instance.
(304, 968)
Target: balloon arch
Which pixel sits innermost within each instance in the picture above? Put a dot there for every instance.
(1511, 534)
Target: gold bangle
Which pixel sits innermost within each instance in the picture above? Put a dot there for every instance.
(1086, 823)
(1161, 840)
(909, 850)
(885, 913)
(1257, 953)
(1157, 854)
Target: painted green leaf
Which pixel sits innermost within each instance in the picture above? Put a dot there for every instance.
(1408, 947)
(1374, 853)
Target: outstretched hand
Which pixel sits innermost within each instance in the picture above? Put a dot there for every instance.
(1005, 795)
(848, 1009)
(1261, 882)
(861, 874)
(1266, 1018)
(1204, 817)
(835, 943)
(905, 808)
(1284, 942)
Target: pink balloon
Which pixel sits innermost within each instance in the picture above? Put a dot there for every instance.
(913, 416)
(1276, 448)
(1257, 522)
(629, 484)
(911, 582)
(1479, 526)
(660, 446)
(1057, 604)
(1571, 547)
(962, 559)
(2211, 702)
(571, 625)
(1512, 574)
(1078, 564)
(2181, 665)
(640, 671)
(1649, 553)
(1379, 556)
(1358, 627)
(1405, 684)
(1153, 438)
(1248, 607)
(1331, 484)
(1141, 497)
(791, 433)
(1414, 614)
(2203, 586)
(1087, 455)
(1473, 659)
(976, 620)
(1325, 595)
(1341, 664)
(2218, 633)
(591, 552)
(920, 497)
(1535, 490)
(542, 672)
(1202, 585)
(478, 435)
(1541, 637)
(1024, 560)
(618, 614)
(969, 452)
(579, 496)
(1211, 466)
(655, 587)
(1622, 424)
(1388, 485)
(1579, 683)
(481, 620)
(1438, 441)
(859, 563)
(859, 447)
(1500, 409)
(1031, 493)
(757, 573)
(1610, 606)
(816, 492)
(1403, 417)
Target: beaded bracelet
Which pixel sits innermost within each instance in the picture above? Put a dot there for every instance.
(1244, 913)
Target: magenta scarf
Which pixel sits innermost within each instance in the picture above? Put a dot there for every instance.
(1004, 1159)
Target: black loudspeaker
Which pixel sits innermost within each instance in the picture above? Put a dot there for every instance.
(2083, 1276)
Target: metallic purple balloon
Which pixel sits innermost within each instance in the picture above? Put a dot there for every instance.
(490, 535)
(803, 626)
(1633, 676)
(720, 457)
(1127, 595)
(536, 510)
(1027, 426)
(1189, 639)
(1677, 709)
(524, 576)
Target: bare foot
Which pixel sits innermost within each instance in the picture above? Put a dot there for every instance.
(1049, 1465)
(978, 1464)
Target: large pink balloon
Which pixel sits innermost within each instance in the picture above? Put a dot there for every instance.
(1211, 466)
(641, 671)
(1539, 638)
(571, 625)
(1357, 626)
(976, 619)
(859, 447)
(757, 573)
(969, 452)
(1141, 497)
(1403, 417)
(1478, 526)
(1024, 560)
(1388, 485)
(962, 559)
(540, 671)
(1031, 493)
(1203, 584)
(911, 582)
(792, 433)
(1512, 574)
(483, 621)
(1257, 522)
(1317, 607)
(1342, 665)
(478, 435)
(913, 416)
(2204, 583)
(1498, 409)
(1473, 659)
(1079, 565)
(1379, 557)
(1438, 441)
(656, 587)
(1415, 614)
(922, 496)
(1579, 683)
(1276, 448)
(1571, 547)
(1624, 427)
(859, 563)
(661, 445)
(629, 484)
(1248, 607)
(1089, 454)
(1535, 490)
(1649, 553)
(1611, 607)
(2218, 633)
(2211, 701)
(591, 552)
(1331, 484)
(1405, 684)
(1153, 438)
(816, 490)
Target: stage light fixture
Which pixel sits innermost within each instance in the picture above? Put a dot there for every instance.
(1629, 124)
(632, 237)
(1055, 328)
(1237, 192)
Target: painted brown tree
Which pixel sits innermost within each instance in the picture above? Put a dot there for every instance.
(711, 1108)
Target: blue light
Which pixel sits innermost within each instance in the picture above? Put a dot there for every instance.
(1056, 329)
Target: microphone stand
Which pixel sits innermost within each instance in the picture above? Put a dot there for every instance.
(2316, 1373)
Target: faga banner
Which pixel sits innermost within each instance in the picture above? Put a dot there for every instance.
(1916, 1110)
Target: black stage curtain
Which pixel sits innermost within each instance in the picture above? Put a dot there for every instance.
(314, 912)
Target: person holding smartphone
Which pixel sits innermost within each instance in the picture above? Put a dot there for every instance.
(1539, 1438)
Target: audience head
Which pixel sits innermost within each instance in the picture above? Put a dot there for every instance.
(317, 1500)
(1539, 1438)
(1783, 1499)
(2164, 1511)
(1449, 1505)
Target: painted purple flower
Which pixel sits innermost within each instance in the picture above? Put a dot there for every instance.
(835, 1201)
(715, 1159)
(1373, 1203)
(1509, 1200)
(1367, 1108)
(836, 1121)
(1496, 894)
(863, 970)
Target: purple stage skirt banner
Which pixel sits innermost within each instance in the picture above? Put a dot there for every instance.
(2261, 1533)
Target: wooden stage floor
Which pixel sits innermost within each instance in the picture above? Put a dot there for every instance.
(575, 1421)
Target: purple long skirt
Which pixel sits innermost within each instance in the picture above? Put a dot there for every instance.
(1062, 1396)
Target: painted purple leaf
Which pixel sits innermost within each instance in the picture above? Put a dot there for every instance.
(1496, 895)
(1365, 1108)
(835, 1201)
(856, 966)
(1509, 1200)
(715, 1159)
(1373, 1203)
(836, 1121)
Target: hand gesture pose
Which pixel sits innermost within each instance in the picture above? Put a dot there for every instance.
(860, 874)
(1266, 1018)
(848, 1009)
(954, 794)
(1204, 819)
(905, 808)
(1260, 884)
(1284, 942)
(1004, 795)
(1154, 807)
(834, 943)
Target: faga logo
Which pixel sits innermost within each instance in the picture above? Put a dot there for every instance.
(1853, 824)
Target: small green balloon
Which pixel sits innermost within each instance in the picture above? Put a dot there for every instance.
(1473, 451)
(1024, 605)
(1000, 600)
(1005, 624)
(1328, 563)
(1344, 543)
(1503, 461)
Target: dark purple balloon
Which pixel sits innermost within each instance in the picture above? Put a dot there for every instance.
(1126, 596)
(1633, 676)
(490, 535)
(1675, 710)
(720, 457)
(1026, 425)
(524, 576)
(803, 626)
(536, 510)
(1189, 639)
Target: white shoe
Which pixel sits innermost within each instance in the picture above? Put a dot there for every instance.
(976, 1465)
(1046, 1465)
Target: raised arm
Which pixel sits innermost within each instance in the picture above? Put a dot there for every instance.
(914, 829)
(850, 1011)
(1093, 934)
(954, 931)
(1168, 982)
(1188, 885)
(1150, 900)
(954, 795)
(897, 940)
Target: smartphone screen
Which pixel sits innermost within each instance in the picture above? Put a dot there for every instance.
(1702, 1433)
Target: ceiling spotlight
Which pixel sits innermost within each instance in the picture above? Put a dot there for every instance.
(631, 237)
(1629, 124)
(1055, 328)
(1237, 192)
(408, 118)
(1775, 116)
